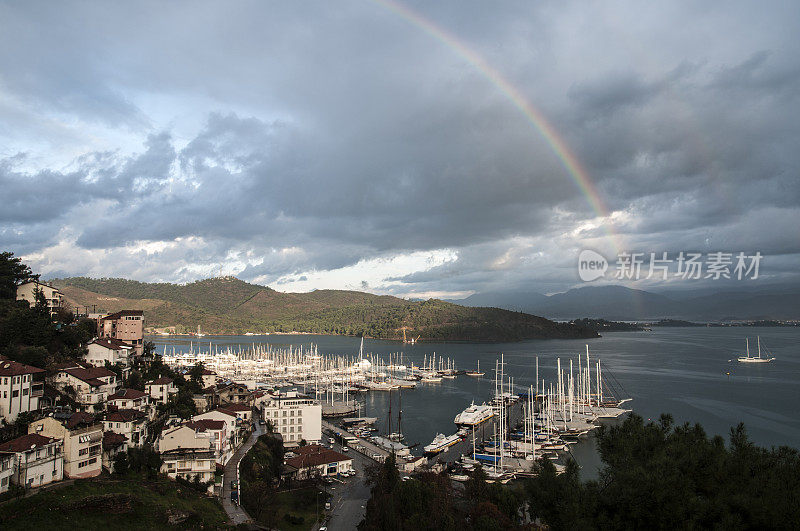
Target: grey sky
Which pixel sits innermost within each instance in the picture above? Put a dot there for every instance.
(327, 144)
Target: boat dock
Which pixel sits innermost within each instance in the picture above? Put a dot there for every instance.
(363, 446)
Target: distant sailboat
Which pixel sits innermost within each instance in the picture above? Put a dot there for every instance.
(753, 359)
(476, 372)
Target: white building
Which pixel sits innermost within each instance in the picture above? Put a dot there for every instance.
(82, 436)
(53, 297)
(187, 453)
(21, 386)
(38, 460)
(318, 461)
(132, 399)
(6, 470)
(296, 417)
(161, 389)
(109, 350)
(224, 426)
(92, 386)
(131, 423)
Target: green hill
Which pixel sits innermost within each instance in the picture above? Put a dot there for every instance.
(228, 305)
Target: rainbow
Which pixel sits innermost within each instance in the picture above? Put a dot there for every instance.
(568, 159)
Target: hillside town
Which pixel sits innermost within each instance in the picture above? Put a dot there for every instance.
(95, 407)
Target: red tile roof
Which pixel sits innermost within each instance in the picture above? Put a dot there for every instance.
(79, 419)
(315, 455)
(91, 375)
(127, 394)
(125, 415)
(112, 439)
(160, 381)
(25, 443)
(12, 368)
(206, 424)
(122, 313)
(112, 344)
(236, 407)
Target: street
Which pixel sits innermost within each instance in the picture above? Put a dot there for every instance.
(349, 499)
(236, 514)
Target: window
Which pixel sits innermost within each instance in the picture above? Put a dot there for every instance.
(14, 394)
(25, 392)
(93, 460)
(83, 451)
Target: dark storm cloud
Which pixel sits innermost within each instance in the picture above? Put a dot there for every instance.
(315, 138)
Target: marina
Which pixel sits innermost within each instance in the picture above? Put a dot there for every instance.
(690, 382)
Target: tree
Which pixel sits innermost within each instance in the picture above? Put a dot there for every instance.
(13, 273)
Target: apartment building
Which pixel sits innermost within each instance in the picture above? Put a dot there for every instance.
(131, 423)
(125, 325)
(38, 460)
(109, 350)
(318, 461)
(224, 427)
(296, 417)
(92, 385)
(187, 452)
(82, 437)
(53, 297)
(6, 470)
(131, 399)
(161, 389)
(21, 387)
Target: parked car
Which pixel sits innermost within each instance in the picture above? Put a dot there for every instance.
(327, 506)
(331, 440)
(235, 496)
(234, 485)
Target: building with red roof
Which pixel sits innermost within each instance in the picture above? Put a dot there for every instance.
(38, 460)
(21, 387)
(314, 460)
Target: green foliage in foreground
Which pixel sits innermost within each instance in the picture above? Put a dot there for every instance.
(655, 476)
(129, 503)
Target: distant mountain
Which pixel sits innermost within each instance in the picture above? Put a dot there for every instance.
(229, 305)
(621, 303)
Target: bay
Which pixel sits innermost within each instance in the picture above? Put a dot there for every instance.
(690, 373)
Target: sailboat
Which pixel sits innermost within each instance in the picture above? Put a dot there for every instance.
(476, 372)
(753, 359)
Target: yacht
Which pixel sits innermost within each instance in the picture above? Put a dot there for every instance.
(441, 443)
(753, 359)
(474, 415)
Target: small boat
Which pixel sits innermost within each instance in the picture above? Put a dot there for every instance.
(441, 443)
(753, 359)
(476, 372)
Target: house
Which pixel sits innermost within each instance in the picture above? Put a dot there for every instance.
(125, 325)
(209, 378)
(109, 350)
(161, 389)
(131, 399)
(241, 411)
(21, 387)
(205, 399)
(92, 386)
(317, 461)
(38, 460)
(6, 470)
(113, 444)
(82, 436)
(229, 438)
(236, 393)
(187, 452)
(131, 423)
(53, 297)
(296, 417)
(218, 434)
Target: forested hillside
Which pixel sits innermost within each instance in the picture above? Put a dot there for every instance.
(229, 305)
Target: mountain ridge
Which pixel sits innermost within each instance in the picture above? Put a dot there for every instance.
(230, 305)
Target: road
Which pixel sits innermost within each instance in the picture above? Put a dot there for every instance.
(235, 512)
(349, 499)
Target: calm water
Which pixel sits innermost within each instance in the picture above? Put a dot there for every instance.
(682, 371)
